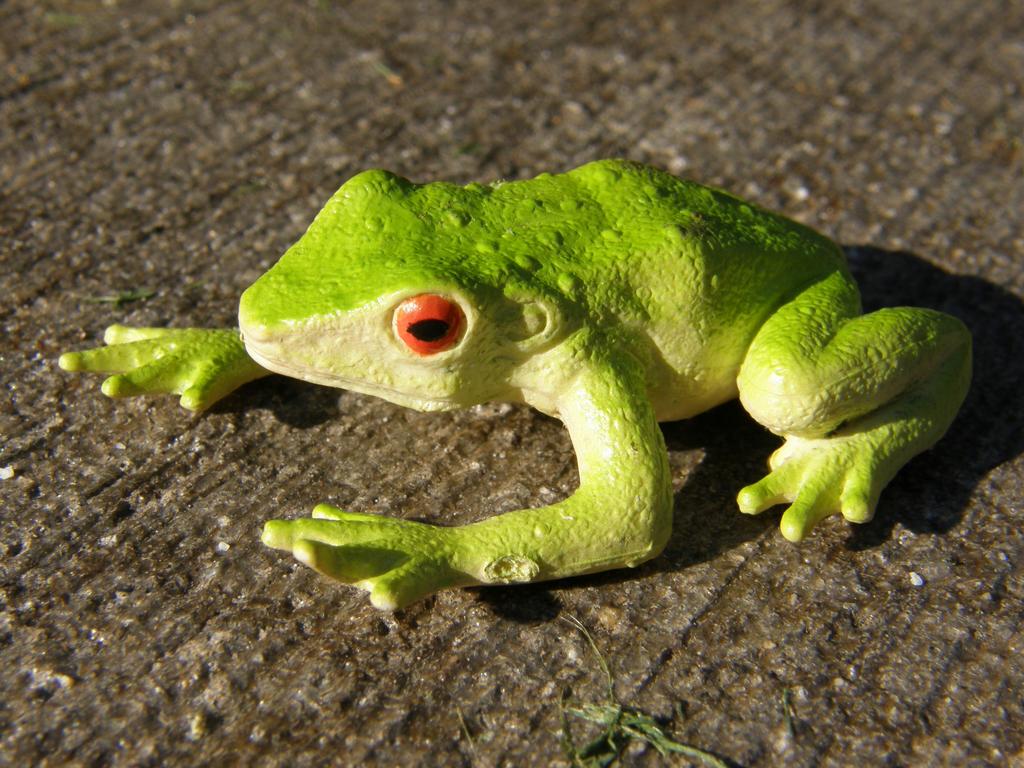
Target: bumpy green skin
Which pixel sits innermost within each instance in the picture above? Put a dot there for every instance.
(612, 297)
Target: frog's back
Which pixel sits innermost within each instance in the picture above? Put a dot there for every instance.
(682, 273)
(696, 271)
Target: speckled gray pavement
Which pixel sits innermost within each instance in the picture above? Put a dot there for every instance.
(180, 147)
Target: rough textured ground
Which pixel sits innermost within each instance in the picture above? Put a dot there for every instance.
(180, 147)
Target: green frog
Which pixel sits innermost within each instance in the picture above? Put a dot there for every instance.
(612, 297)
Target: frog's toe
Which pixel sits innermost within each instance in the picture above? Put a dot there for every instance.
(161, 375)
(411, 581)
(124, 334)
(72, 361)
(196, 398)
(349, 564)
(120, 385)
(762, 495)
(118, 357)
(201, 388)
(859, 498)
(327, 512)
(278, 534)
(808, 509)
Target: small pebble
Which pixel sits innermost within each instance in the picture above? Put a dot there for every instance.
(6, 473)
(916, 579)
(197, 726)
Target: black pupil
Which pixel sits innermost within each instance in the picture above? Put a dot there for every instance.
(429, 330)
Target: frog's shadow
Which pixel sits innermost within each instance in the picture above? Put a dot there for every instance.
(292, 402)
(929, 495)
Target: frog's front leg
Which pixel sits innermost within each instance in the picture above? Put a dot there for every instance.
(855, 398)
(621, 514)
(200, 364)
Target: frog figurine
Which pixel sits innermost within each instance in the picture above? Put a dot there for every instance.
(612, 297)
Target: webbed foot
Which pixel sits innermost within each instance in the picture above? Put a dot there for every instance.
(202, 365)
(396, 561)
(819, 477)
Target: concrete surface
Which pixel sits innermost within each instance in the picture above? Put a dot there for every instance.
(179, 147)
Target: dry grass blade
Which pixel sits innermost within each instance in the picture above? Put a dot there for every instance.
(121, 298)
(619, 725)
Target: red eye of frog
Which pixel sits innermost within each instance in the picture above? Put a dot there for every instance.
(428, 323)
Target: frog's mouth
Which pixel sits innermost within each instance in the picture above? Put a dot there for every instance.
(263, 353)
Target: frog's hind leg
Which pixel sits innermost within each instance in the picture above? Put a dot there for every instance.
(855, 397)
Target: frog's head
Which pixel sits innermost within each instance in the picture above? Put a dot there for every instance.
(393, 293)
